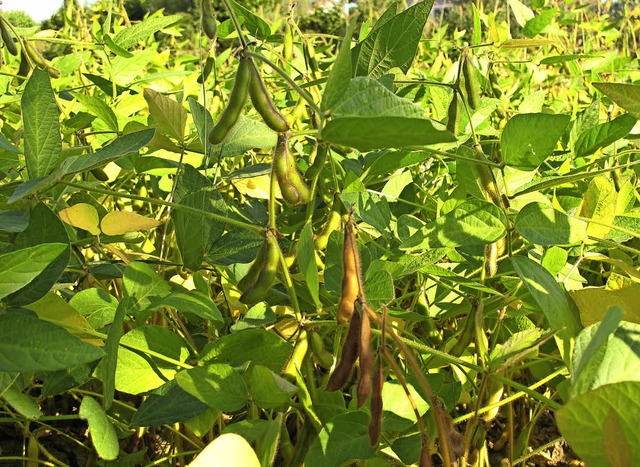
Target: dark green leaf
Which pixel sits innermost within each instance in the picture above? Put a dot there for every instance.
(474, 222)
(554, 60)
(44, 227)
(603, 135)
(378, 288)
(167, 405)
(218, 385)
(626, 96)
(99, 108)
(19, 268)
(119, 147)
(370, 207)
(393, 44)
(5, 145)
(254, 24)
(30, 344)
(41, 120)
(115, 48)
(259, 315)
(141, 284)
(253, 345)
(551, 299)
(13, 221)
(373, 117)
(342, 439)
(246, 134)
(190, 302)
(341, 72)
(194, 233)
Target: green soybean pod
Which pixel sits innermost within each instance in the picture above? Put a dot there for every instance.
(292, 186)
(422, 307)
(322, 356)
(333, 223)
(258, 290)
(34, 55)
(493, 81)
(209, 26)
(263, 103)
(454, 113)
(100, 174)
(287, 43)
(237, 99)
(7, 39)
(471, 83)
(254, 271)
(23, 69)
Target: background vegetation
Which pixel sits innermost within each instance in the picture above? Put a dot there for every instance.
(485, 157)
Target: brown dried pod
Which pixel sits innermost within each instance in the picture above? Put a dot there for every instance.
(342, 372)
(375, 424)
(351, 275)
(365, 354)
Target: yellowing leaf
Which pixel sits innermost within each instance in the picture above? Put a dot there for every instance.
(593, 302)
(82, 216)
(227, 450)
(54, 308)
(122, 222)
(599, 204)
(255, 187)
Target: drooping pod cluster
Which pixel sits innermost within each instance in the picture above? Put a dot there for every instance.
(262, 273)
(29, 55)
(248, 83)
(209, 26)
(7, 39)
(293, 187)
(466, 91)
(354, 309)
(237, 100)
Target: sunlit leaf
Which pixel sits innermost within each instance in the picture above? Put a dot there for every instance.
(121, 222)
(82, 216)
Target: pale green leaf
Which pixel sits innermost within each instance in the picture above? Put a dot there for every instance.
(103, 434)
(170, 117)
(541, 224)
(141, 31)
(585, 422)
(528, 139)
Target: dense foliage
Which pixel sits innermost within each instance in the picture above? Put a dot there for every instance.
(414, 244)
